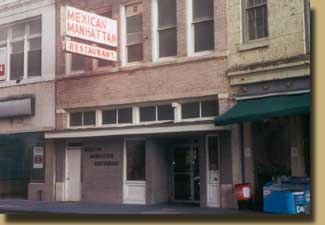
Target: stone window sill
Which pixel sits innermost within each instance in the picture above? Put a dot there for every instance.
(256, 44)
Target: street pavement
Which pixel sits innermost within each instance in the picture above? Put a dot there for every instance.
(25, 206)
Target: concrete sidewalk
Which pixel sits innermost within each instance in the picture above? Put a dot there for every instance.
(25, 206)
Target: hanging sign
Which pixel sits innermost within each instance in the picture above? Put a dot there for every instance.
(91, 27)
(38, 157)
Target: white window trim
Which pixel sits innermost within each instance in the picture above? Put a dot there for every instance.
(123, 56)
(68, 63)
(155, 41)
(244, 37)
(82, 120)
(26, 39)
(190, 41)
(156, 111)
(189, 28)
(123, 40)
(155, 36)
(200, 111)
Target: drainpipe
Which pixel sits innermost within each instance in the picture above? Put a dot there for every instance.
(242, 153)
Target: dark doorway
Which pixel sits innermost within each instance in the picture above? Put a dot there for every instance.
(271, 146)
(186, 174)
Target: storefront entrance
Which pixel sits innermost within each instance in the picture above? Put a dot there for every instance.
(186, 174)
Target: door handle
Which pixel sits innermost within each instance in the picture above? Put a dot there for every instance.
(68, 178)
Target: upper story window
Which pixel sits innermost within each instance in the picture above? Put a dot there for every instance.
(21, 49)
(156, 113)
(256, 22)
(78, 63)
(117, 116)
(167, 33)
(307, 25)
(200, 109)
(134, 35)
(100, 62)
(78, 119)
(202, 25)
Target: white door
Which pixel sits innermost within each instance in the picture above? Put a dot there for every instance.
(134, 185)
(213, 172)
(73, 174)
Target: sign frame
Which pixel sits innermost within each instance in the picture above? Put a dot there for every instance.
(38, 157)
(89, 26)
(90, 51)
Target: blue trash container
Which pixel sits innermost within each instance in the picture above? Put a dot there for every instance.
(287, 196)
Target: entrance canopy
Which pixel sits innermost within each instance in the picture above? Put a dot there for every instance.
(263, 108)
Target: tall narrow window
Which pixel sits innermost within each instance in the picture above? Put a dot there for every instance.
(134, 42)
(307, 25)
(135, 160)
(256, 19)
(102, 62)
(167, 34)
(35, 48)
(35, 57)
(17, 60)
(203, 25)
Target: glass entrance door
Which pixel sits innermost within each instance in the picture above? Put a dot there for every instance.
(186, 174)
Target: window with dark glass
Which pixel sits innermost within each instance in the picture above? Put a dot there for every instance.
(77, 62)
(17, 60)
(125, 115)
(35, 48)
(256, 19)
(213, 147)
(3, 35)
(109, 116)
(102, 62)
(89, 118)
(209, 108)
(307, 25)
(134, 42)
(203, 25)
(35, 57)
(147, 114)
(167, 28)
(213, 156)
(165, 112)
(25, 39)
(135, 160)
(191, 110)
(75, 119)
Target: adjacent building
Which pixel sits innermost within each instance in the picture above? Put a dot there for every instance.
(27, 106)
(269, 69)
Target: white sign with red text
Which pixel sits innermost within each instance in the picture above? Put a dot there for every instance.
(90, 27)
(89, 50)
(38, 157)
(3, 62)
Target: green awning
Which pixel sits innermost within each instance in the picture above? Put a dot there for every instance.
(262, 108)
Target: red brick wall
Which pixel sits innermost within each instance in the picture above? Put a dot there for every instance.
(103, 183)
(182, 78)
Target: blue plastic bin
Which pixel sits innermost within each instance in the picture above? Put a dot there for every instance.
(287, 196)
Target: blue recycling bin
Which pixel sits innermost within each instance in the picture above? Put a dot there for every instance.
(287, 196)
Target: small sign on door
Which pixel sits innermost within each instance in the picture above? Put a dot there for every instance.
(38, 158)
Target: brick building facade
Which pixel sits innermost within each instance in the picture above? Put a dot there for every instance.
(141, 130)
